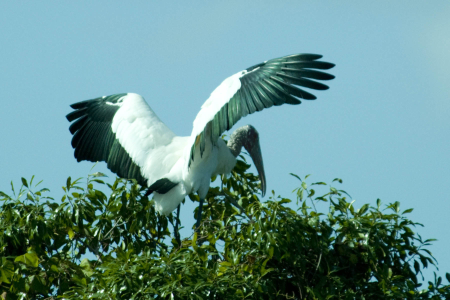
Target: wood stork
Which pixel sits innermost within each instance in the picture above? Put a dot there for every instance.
(123, 130)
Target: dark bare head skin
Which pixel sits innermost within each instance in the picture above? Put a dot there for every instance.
(248, 137)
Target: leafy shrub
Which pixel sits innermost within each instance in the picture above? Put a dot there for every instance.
(268, 251)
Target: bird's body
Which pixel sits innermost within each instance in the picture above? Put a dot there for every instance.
(123, 130)
(195, 179)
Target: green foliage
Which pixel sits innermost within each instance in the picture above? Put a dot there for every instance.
(268, 251)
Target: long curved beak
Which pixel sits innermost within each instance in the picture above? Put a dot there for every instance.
(255, 154)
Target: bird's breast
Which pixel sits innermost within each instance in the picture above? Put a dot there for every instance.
(225, 159)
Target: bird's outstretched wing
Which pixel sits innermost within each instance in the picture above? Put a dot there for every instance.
(119, 129)
(273, 82)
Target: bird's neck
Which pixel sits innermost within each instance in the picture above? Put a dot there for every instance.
(237, 140)
(235, 147)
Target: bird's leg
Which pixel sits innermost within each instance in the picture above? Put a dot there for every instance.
(177, 223)
(148, 192)
(199, 214)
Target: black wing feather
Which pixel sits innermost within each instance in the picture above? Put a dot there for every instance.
(94, 140)
(274, 82)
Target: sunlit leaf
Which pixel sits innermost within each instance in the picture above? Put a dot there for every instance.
(70, 233)
(98, 174)
(6, 270)
(30, 259)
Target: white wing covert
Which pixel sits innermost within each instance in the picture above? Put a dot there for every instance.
(121, 130)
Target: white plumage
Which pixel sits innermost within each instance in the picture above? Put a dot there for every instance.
(123, 130)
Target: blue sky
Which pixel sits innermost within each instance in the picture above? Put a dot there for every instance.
(383, 127)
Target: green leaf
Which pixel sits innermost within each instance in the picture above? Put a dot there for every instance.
(194, 241)
(98, 181)
(416, 266)
(12, 187)
(30, 259)
(4, 195)
(24, 182)
(363, 209)
(408, 211)
(284, 200)
(68, 183)
(86, 267)
(6, 270)
(296, 176)
(98, 174)
(70, 233)
(38, 284)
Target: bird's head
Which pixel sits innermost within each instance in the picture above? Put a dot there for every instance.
(247, 137)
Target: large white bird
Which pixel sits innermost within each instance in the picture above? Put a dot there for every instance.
(123, 130)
